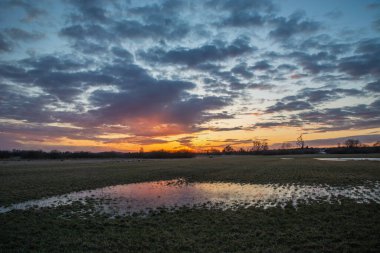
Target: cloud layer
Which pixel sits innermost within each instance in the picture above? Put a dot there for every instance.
(147, 73)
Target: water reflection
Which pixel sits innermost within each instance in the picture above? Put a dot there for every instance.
(348, 159)
(172, 194)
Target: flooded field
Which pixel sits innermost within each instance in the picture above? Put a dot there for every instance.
(343, 159)
(173, 194)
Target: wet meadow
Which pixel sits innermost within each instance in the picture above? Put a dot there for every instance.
(242, 204)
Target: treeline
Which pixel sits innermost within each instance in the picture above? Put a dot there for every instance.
(300, 151)
(241, 151)
(354, 150)
(260, 147)
(39, 154)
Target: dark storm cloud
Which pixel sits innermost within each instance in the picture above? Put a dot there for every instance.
(92, 31)
(186, 141)
(20, 106)
(272, 124)
(193, 110)
(141, 140)
(362, 116)
(89, 10)
(122, 54)
(316, 96)
(156, 98)
(314, 63)
(32, 12)
(91, 20)
(133, 29)
(52, 63)
(61, 76)
(243, 13)
(22, 35)
(165, 13)
(138, 96)
(286, 67)
(5, 44)
(206, 53)
(90, 48)
(242, 5)
(295, 24)
(242, 70)
(373, 87)
(365, 61)
(349, 117)
(146, 97)
(124, 29)
(289, 106)
(325, 43)
(376, 24)
(308, 99)
(261, 65)
(243, 19)
(261, 86)
(226, 129)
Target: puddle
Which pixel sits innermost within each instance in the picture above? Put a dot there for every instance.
(287, 158)
(173, 194)
(348, 159)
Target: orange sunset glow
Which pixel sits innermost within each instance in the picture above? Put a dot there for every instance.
(188, 76)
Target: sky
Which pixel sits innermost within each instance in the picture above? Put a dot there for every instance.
(123, 74)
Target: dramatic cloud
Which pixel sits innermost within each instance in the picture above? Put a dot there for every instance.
(295, 24)
(106, 75)
(19, 34)
(32, 12)
(365, 61)
(5, 45)
(206, 53)
(373, 87)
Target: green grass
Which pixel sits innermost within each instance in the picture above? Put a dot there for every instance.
(21, 181)
(319, 227)
(316, 228)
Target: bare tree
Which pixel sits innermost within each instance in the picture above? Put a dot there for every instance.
(258, 145)
(351, 143)
(286, 145)
(214, 151)
(300, 142)
(376, 144)
(264, 145)
(228, 149)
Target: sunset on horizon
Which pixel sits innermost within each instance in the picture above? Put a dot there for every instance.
(186, 126)
(188, 75)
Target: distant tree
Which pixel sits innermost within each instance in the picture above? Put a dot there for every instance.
(352, 143)
(141, 150)
(214, 151)
(258, 145)
(228, 149)
(55, 154)
(376, 144)
(264, 145)
(286, 145)
(300, 142)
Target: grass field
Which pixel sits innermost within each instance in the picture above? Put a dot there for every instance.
(319, 227)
